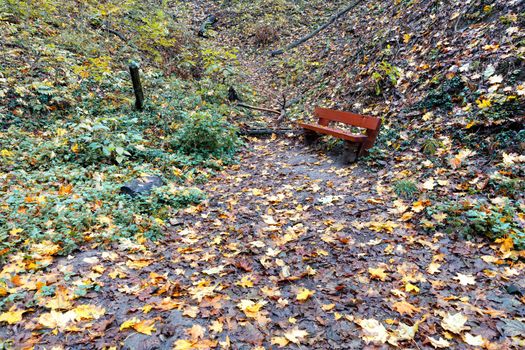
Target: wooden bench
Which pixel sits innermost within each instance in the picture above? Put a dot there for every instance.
(326, 116)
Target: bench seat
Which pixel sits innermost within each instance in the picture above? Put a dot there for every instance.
(326, 116)
(342, 134)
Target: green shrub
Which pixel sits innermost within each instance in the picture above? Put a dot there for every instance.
(506, 186)
(430, 146)
(405, 188)
(483, 219)
(384, 73)
(206, 134)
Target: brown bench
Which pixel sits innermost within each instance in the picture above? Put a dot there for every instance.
(364, 141)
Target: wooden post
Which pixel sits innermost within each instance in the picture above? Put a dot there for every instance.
(137, 86)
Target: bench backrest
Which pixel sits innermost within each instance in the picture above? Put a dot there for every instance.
(326, 115)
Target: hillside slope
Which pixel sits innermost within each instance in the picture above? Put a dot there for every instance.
(446, 77)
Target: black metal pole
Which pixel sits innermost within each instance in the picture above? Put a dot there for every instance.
(137, 86)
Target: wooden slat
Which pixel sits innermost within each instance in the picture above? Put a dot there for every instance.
(350, 118)
(335, 132)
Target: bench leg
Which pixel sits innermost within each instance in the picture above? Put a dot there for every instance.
(359, 151)
(349, 152)
(310, 136)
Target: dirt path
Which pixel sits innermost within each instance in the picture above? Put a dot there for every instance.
(289, 247)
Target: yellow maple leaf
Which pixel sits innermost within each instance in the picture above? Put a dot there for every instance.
(245, 282)
(419, 206)
(281, 341)
(65, 189)
(196, 332)
(377, 273)
(304, 293)
(138, 264)
(439, 343)
(183, 344)
(257, 192)
(129, 323)
(6, 153)
(473, 340)
(483, 103)
(382, 226)
(16, 231)
(12, 316)
(250, 308)
(62, 299)
(403, 333)
(146, 308)
(216, 326)
(507, 244)
(45, 248)
(429, 184)
(89, 312)
(191, 311)
(409, 287)
(144, 326)
(327, 307)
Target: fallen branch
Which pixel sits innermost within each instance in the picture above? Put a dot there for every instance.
(13, 45)
(315, 32)
(114, 32)
(262, 109)
(265, 132)
(234, 97)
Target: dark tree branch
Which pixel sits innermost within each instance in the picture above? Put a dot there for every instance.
(265, 132)
(262, 109)
(318, 30)
(114, 32)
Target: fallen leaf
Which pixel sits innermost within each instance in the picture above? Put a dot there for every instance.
(473, 340)
(89, 312)
(327, 307)
(144, 326)
(216, 326)
(465, 280)
(250, 308)
(439, 343)
(196, 332)
(57, 319)
(404, 307)
(454, 323)
(304, 293)
(295, 335)
(12, 316)
(373, 331)
(281, 341)
(433, 268)
(377, 273)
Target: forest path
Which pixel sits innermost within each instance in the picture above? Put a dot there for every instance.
(290, 247)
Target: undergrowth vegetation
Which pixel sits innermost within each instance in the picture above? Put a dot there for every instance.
(61, 182)
(69, 137)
